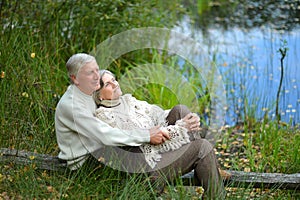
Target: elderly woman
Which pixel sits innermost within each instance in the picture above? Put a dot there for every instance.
(127, 113)
(178, 155)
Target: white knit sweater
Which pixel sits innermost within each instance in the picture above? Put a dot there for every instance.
(128, 113)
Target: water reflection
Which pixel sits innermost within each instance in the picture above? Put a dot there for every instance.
(249, 61)
(245, 14)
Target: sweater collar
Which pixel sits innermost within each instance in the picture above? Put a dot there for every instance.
(78, 91)
(110, 103)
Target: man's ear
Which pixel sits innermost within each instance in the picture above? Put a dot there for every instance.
(73, 78)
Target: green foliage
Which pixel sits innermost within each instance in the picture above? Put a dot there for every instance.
(28, 96)
(80, 25)
(36, 40)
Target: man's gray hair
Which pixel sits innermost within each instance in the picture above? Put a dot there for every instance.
(77, 61)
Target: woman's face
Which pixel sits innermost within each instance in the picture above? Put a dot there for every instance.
(111, 89)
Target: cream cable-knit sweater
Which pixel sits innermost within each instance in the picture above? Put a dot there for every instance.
(128, 113)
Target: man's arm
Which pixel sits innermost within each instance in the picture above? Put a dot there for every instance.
(78, 118)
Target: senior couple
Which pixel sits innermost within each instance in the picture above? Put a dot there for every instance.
(94, 118)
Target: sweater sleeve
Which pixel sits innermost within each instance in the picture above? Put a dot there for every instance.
(87, 125)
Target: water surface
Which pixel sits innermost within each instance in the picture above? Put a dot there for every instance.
(249, 61)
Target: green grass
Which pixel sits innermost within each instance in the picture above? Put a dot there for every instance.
(265, 148)
(29, 93)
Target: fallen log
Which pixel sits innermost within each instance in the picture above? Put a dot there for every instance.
(236, 178)
(42, 161)
(256, 180)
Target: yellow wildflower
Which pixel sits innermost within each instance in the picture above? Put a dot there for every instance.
(224, 146)
(199, 190)
(32, 55)
(25, 94)
(10, 178)
(247, 169)
(31, 157)
(2, 74)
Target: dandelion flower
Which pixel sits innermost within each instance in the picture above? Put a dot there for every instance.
(32, 55)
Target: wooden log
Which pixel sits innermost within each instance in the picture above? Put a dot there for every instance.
(256, 180)
(42, 161)
(237, 178)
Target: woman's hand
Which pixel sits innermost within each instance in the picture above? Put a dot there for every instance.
(158, 136)
(192, 122)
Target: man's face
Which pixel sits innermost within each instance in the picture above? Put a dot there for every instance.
(87, 79)
(111, 89)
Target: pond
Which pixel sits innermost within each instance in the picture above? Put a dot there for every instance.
(248, 58)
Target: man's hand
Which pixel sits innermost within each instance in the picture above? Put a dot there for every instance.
(192, 122)
(157, 136)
